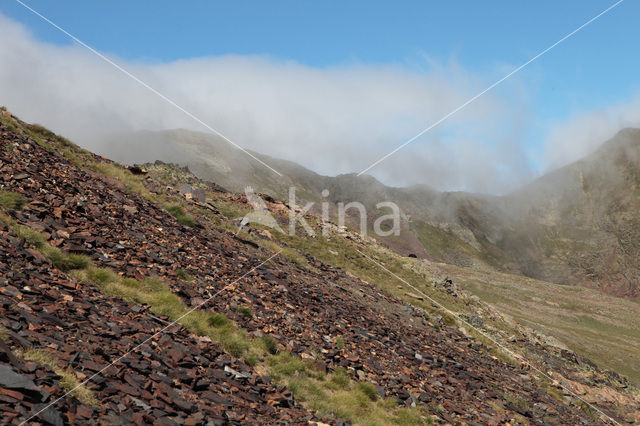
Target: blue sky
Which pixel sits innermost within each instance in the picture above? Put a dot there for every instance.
(594, 69)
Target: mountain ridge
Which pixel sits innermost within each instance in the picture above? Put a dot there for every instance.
(457, 227)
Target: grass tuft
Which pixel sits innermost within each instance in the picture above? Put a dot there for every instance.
(270, 344)
(101, 276)
(182, 274)
(340, 377)
(236, 346)
(368, 390)
(218, 320)
(285, 365)
(245, 311)
(31, 237)
(11, 200)
(65, 261)
(68, 379)
(181, 216)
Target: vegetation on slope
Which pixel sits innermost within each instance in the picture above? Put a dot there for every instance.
(597, 326)
(332, 394)
(337, 251)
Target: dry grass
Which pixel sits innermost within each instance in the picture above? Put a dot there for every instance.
(63, 261)
(68, 379)
(132, 184)
(597, 326)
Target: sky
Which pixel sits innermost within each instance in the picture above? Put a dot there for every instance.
(336, 85)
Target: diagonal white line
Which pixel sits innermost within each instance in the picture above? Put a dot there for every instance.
(464, 105)
(154, 335)
(101, 56)
(502, 347)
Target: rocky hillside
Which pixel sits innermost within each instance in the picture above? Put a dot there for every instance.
(580, 224)
(577, 225)
(97, 262)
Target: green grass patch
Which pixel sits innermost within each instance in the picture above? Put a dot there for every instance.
(61, 260)
(10, 122)
(340, 377)
(101, 276)
(270, 344)
(337, 396)
(218, 320)
(11, 200)
(245, 311)
(48, 134)
(157, 295)
(31, 237)
(285, 365)
(231, 211)
(64, 261)
(367, 389)
(440, 243)
(182, 274)
(47, 139)
(181, 216)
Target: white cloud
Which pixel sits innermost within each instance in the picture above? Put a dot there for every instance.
(332, 120)
(584, 132)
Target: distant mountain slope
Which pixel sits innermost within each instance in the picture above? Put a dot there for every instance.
(581, 223)
(576, 225)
